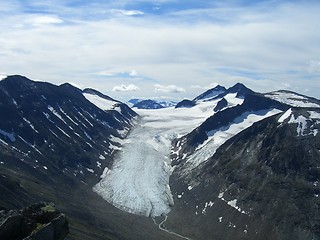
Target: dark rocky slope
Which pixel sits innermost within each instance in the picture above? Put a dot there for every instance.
(261, 184)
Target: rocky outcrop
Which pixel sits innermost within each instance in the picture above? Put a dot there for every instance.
(186, 104)
(37, 222)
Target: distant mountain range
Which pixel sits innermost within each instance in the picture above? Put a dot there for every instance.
(151, 104)
(244, 165)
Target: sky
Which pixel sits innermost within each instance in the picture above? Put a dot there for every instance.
(163, 48)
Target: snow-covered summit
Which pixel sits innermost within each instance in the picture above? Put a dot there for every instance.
(293, 99)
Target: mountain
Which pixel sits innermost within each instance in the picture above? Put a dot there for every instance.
(39, 118)
(133, 101)
(211, 93)
(249, 170)
(260, 184)
(221, 105)
(167, 103)
(185, 104)
(221, 121)
(163, 102)
(147, 104)
(231, 165)
(232, 96)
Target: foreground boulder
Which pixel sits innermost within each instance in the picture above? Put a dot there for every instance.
(39, 221)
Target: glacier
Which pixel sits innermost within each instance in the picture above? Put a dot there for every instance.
(138, 181)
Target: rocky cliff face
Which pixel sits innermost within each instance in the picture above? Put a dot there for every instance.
(37, 222)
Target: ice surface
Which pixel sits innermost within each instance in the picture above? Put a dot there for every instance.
(138, 181)
(139, 178)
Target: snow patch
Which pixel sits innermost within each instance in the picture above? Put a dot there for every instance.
(27, 121)
(90, 170)
(56, 114)
(232, 203)
(206, 205)
(98, 164)
(47, 116)
(314, 115)
(286, 115)
(103, 104)
(31, 145)
(61, 110)
(64, 132)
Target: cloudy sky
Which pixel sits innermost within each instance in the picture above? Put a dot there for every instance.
(163, 48)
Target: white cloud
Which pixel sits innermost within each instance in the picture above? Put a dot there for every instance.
(124, 88)
(106, 73)
(128, 12)
(167, 50)
(168, 88)
(133, 73)
(211, 85)
(43, 20)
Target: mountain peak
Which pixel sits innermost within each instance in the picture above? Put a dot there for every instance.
(240, 89)
(16, 79)
(211, 93)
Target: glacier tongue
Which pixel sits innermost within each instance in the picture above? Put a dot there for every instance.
(138, 181)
